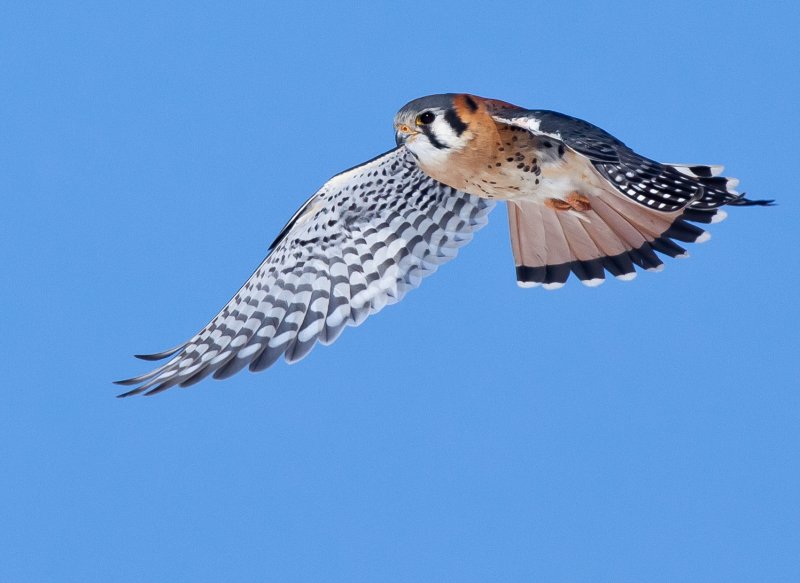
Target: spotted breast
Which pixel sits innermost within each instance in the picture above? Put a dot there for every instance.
(501, 161)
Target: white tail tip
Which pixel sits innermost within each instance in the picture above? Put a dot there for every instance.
(719, 216)
(593, 282)
(552, 286)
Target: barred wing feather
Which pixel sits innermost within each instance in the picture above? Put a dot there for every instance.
(368, 236)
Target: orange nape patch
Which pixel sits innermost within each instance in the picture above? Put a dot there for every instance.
(494, 105)
(470, 106)
(574, 202)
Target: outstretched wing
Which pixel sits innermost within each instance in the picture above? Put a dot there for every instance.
(663, 187)
(360, 243)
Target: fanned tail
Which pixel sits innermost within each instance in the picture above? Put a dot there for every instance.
(614, 235)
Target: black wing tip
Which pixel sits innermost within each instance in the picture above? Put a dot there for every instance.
(125, 382)
(146, 390)
(159, 356)
(742, 201)
(128, 394)
(163, 354)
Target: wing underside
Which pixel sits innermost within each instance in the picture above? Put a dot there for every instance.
(365, 239)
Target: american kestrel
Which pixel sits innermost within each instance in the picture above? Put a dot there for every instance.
(579, 201)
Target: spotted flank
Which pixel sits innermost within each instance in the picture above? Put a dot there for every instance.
(365, 239)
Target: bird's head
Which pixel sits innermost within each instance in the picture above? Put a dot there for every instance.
(434, 127)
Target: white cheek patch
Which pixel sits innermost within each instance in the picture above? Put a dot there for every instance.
(445, 134)
(427, 153)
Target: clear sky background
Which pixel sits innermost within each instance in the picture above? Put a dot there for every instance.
(644, 431)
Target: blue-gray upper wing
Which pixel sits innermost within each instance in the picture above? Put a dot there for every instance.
(663, 187)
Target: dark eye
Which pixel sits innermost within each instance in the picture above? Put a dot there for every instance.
(425, 118)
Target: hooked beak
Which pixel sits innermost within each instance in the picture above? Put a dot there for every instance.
(401, 133)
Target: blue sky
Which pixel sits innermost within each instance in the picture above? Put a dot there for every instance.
(644, 431)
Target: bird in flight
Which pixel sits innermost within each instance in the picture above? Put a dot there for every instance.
(579, 202)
